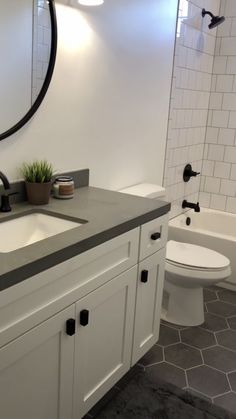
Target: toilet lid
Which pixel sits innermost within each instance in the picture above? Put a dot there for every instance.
(195, 256)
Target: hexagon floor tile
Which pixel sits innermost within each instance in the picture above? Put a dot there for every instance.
(196, 393)
(220, 358)
(201, 359)
(214, 323)
(168, 373)
(197, 337)
(228, 401)
(227, 339)
(209, 295)
(168, 335)
(221, 308)
(227, 296)
(232, 322)
(232, 380)
(153, 356)
(208, 381)
(183, 356)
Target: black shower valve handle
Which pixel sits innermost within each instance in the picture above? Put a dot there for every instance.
(195, 173)
(189, 172)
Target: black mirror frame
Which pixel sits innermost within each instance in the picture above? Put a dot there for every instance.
(48, 77)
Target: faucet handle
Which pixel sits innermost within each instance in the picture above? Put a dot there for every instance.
(5, 204)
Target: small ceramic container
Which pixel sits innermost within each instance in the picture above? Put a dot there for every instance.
(63, 187)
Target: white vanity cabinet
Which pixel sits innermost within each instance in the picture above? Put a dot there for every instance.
(148, 304)
(103, 340)
(70, 333)
(36, 372)
(150, 284)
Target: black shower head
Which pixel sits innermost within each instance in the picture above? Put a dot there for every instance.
(215, 20)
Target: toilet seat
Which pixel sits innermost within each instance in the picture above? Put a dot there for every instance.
(193, 277)
(196, 265)
(192, 257)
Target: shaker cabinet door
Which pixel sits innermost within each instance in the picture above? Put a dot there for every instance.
(148, 304)
(103, 341)
(36, 372)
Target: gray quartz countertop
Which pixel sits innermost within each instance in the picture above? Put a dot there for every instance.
(108, 214)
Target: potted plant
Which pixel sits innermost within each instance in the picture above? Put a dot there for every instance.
(38, 181)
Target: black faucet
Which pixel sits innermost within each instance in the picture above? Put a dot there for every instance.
(186, 204)
(5, 205)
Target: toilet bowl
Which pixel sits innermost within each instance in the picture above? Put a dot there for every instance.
(188, 268)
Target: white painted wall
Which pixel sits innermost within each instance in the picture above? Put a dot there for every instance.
(107, 105)
(16, 60)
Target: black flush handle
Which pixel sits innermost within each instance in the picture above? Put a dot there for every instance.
(84, 317)
(156, 236)
(144, 276)
(70, 327)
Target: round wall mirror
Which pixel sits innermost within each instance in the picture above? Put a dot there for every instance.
(28, 43)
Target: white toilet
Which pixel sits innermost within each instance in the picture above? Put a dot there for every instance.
(188, 269)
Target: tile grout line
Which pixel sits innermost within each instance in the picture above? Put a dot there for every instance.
(203, 394)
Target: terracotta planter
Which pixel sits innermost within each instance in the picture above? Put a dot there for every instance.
(38, 193)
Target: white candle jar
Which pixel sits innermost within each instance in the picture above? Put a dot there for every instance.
(63, 187)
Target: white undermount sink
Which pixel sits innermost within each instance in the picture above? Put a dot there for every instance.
(28, 229)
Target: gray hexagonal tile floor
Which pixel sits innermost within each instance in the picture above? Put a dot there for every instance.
(220, 358)
(227, 338)
(183, 356)
(232, 380)
(197, 337)
(168, 335)
(153, 356)
(205, 354)
(214, 323)
(208, 381)
(200, 359)
(232, 322)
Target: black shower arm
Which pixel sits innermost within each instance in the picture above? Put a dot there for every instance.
(206, 12)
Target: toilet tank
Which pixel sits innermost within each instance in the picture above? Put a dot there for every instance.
(146, 190)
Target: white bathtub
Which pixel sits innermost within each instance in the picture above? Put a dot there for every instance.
(210, 228)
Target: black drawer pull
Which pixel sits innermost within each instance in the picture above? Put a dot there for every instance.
(144, 276)
(156, 236)
(84, 317)
(70, 327)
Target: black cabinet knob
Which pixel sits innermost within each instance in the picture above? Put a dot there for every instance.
(84, 317)
(70, 327)
(156, 236)
(144, 276)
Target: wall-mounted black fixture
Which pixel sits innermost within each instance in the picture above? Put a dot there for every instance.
(195, 207)
(215, 20)
(188, 173)
(188, 221)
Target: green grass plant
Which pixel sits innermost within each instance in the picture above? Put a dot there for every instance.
(39, 171)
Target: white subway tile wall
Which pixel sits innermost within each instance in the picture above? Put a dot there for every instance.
(218, 190)
(193, 88)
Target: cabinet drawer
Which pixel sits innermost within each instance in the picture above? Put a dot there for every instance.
(153, 236)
